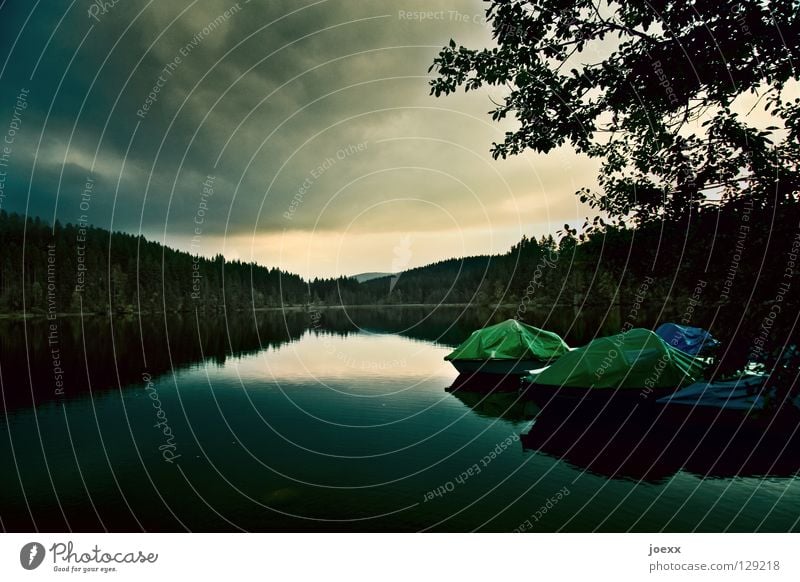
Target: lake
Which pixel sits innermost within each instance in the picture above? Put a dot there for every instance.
(339, 420)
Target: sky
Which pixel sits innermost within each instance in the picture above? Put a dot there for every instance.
(297, 134)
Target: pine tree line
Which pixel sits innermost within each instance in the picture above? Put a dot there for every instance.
(729, 269)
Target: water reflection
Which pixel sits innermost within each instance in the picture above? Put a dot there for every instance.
(341, 421)
(99, 353)
(617, 439)
(649, 443)
(485, 383)
(94, 354)
(506, 405)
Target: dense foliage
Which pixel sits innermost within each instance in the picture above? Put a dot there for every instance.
(128, 273)
(71, 269)
(652, 90)
(662, 93)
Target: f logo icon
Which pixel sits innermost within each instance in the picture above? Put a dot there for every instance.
(31, 555)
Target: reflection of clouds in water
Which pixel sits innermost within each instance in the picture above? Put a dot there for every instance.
(401, 260)
(327, 356)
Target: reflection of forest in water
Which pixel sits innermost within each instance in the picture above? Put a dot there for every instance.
(653, 444)
(645, 447)
(99, 353)
(646, 444)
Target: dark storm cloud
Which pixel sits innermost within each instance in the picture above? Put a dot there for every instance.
(297, 110)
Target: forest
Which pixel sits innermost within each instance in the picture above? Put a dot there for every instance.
(733, 269)
(82, 269)
(693, 113)
(697, 211)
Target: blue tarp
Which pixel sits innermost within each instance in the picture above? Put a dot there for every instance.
(690, 340)
(745, 393)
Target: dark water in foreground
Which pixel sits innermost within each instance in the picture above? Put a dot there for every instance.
(286, 423)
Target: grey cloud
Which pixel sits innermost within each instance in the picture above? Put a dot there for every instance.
(214, 98)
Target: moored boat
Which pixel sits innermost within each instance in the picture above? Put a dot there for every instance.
(508, 348)
(636, 365)
(481, 382)
(694, 341)
(745, 393)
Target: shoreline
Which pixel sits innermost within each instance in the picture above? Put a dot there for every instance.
(310, 307)
(293, 308)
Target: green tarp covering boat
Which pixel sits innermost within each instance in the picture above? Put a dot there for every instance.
(508, 347)
(636, 359)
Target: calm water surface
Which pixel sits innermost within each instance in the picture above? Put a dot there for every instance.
(286, 422)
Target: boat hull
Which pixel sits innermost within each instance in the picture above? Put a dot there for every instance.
(478, 382)
(505, 367)
(648, 443)
(571, 397)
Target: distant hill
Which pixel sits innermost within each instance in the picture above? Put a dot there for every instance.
(362, 277)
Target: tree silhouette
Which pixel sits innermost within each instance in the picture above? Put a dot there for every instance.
(663, 94)
(653, 89)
